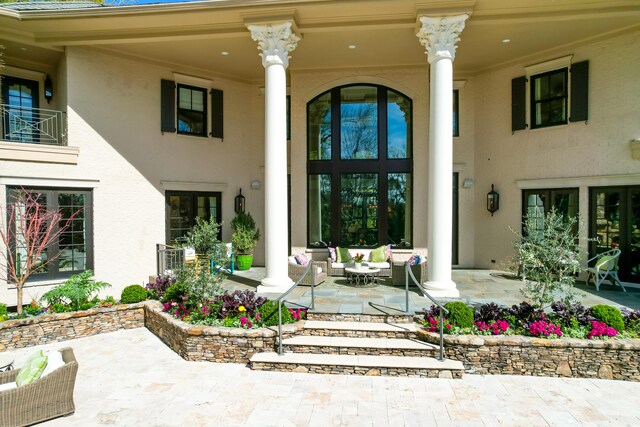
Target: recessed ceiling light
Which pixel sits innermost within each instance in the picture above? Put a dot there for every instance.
(505, 41)
(23, 48)
(352, 46)
(224, 53)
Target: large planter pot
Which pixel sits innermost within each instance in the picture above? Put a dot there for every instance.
(243, 262)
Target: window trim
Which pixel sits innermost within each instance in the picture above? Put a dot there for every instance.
(51, 194)
(204, 112)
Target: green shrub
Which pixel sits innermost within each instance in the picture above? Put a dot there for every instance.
(77, 292)
(4, 313)
(60, 308)
(269, 314)
(174, 293)
(460, 314)
(132, 294)
(609, 315)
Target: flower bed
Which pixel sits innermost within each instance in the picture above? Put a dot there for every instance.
(565, 357)
(47, 328)
(211, 343)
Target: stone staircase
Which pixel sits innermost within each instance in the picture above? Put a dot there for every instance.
(359, 345)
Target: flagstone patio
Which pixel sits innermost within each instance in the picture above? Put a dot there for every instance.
(336, 295)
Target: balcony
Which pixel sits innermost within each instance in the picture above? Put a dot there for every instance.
(35, 135)
(33, 125)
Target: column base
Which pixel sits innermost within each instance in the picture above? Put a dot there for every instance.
(442, 289)
(274, 286)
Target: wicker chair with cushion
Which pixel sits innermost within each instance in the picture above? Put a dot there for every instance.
(419, 271)
(318, 272)
(48, 397)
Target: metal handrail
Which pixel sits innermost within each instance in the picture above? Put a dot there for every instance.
(287, 292)
(168, 258)
(32, 125)
(408, 273)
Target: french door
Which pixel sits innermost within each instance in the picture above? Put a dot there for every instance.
(615, 222)
(182, 209)
(20, 114)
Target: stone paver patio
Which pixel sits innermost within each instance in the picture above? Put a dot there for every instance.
(335, 295)
(130, 378)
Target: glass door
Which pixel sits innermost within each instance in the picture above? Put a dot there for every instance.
(20, 97)
(615, 222)
(182, 209)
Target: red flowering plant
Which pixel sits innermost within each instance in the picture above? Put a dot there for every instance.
(358, 258)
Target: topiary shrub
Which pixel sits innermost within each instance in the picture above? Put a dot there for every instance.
(132, 294)
(460, 314)
(609, 315)
(269, 314)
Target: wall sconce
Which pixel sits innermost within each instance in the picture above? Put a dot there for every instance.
(48, 89)
(255, 184)
(240, 202)
(467, 183)
(493, 200)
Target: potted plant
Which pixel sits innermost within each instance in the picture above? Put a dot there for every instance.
(244, 238)
(203, 238)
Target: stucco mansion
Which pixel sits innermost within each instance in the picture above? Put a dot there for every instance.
(352, 123)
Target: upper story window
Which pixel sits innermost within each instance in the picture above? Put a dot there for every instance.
(549, 95)
(192, 110)
(456, 113)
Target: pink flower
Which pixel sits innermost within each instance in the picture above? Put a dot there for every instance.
(258, 316)
(600, 329)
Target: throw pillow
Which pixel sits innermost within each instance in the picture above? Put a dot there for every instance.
(332, 254)
(302, 259)
(32, 369)
(54, 361)
(343, 254)
(414, 260)
(388, 250)
(379, 254)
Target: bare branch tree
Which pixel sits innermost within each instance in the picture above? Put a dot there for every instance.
(30, 229)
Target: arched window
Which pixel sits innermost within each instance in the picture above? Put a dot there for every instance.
(359, 167)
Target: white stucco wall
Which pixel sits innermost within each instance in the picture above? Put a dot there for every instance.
(598, 148)
(114, 120)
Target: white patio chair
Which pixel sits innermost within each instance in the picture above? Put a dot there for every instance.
(606, 266)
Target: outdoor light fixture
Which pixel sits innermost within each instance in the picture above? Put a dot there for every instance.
(240, 202)
(48, 89)
(493, 200)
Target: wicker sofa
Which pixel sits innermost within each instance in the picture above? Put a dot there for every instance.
(46, 398)
(337, 269)
(419, 271)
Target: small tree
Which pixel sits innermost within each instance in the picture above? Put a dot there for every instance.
(28, 231)
(549, 257)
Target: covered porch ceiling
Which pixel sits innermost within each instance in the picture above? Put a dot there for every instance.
(209, 38)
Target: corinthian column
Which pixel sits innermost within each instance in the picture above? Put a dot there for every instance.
(439, 36)
(275, 41)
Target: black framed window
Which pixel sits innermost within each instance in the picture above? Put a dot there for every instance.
(192, 110)
(359, 167)
(182, 208)
(535, 203)
(72, 251)
(456, 113)
(549, 94)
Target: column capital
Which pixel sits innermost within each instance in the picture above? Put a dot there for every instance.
(440, 35)
(275, 41)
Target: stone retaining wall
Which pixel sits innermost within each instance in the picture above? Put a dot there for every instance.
(19, 333)
(212, 344)
(566, 357)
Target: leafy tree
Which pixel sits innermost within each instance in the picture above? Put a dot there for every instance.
(28, 231)
(549, 257)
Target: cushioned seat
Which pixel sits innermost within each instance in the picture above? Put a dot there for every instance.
(318, 273)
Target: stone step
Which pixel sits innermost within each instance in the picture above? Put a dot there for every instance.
(425, 367)
(311, 344)
(359, 329)
(359, 317)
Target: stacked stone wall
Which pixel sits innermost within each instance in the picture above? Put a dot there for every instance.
(48, 328)
(566, 357)
(213, 344)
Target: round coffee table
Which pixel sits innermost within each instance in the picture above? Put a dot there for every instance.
(6, 362)
(365, 276)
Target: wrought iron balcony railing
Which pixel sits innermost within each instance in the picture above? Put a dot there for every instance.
(32, 125)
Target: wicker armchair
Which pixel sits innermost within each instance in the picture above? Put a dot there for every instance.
(48, 397)
(296, 271)
(398, 274)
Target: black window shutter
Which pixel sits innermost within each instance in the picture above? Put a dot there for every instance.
(217, 113)
(518, 103)
(167, 106)
(579, 91)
